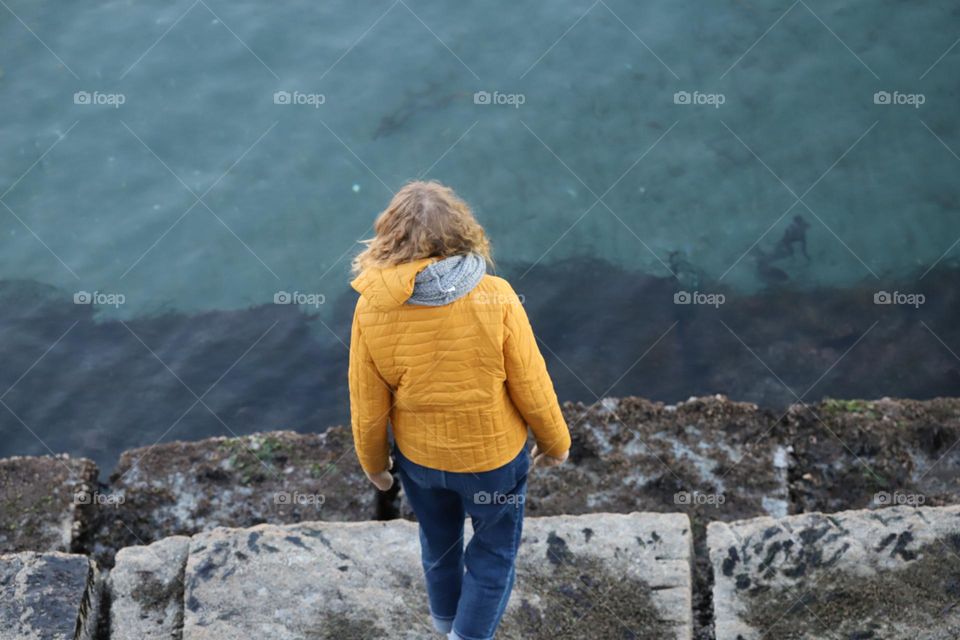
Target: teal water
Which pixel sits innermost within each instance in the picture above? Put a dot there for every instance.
(602, 194)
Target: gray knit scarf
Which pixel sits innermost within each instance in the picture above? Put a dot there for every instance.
(446, 280)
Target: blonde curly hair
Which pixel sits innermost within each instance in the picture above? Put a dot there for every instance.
(425, 219)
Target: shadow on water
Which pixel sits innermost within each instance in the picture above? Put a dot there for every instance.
(603, 331)
(100, 390)
(610, 332)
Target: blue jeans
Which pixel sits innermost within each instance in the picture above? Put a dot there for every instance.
(476, 599)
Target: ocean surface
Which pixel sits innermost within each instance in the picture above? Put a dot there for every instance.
(751, 197)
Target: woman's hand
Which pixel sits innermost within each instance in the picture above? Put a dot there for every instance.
(383, 480)
(544, 460)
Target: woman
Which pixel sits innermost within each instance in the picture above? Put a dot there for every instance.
(445, 353)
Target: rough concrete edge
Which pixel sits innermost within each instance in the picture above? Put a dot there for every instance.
(84, 515)
(691, 553)
(409, 524)
(201, 536)
(128, 460)
(131, 453)
(88, 620)
(718, 526)
(722, 535)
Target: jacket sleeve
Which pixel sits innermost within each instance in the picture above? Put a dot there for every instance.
(529, 384)
(370, 402)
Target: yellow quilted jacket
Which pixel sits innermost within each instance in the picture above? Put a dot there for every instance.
(459, 383)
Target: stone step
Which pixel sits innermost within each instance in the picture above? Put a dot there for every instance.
(597, 576)
(146, 590)
(891, 573)
(48, 596)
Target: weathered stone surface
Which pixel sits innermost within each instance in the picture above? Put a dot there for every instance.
(39, 509)
(628, 454)
(888, 573)
(601, 576)
(146, 591)
(48, 596)
(708, 456)
(180, 488)
(851, 454)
